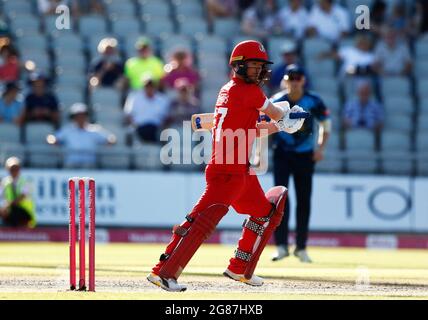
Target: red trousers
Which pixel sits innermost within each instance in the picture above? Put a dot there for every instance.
(241, 191)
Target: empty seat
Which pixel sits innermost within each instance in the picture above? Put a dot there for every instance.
(66, 43)
(34, 42)
(74, 80)
(158, 27)
(400, 122)
(106, 96)
(332, 102)
(213, 44)
(330, 163)
(422, 140)
(169, 43)
(325, 85)
(114, 157)
(9, 133)
(226, 27)
(422, 163)
(399, 105)
(312, 47)
(422, 88)
(92, 25)
(43, 156)
(147, 156)
(395, 86)
(192, 26)
(362, 161)
(123, 27)
(36, 133)
(359, 139)
(17, 6)
(155, 8)
(274, 45)
(395, 140)
(421, 67)
(24, 23)
(187, 8)
(397, 162)
(320, 68)
(209, 98)
(120, 8)
(40, 59)
(421, 49)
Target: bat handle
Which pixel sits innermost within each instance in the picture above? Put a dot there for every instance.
(299, 115)
(198, 123)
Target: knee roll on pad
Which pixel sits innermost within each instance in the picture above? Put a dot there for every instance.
(277, 196)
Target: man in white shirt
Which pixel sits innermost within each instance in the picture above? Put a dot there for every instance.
(147, 110)
(328, 20)
(81, 139)
(293, 19)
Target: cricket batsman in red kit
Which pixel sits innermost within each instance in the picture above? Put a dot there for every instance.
(229, 179)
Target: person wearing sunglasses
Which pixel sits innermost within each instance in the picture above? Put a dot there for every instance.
(295, 155)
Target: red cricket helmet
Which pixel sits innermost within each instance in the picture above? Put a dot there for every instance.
(249, 50)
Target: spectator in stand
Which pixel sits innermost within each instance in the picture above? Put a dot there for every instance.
(184, 104)
(107, 69)
(16, 204)
(392, 55)
(11, 104)
(86, 7)
(377, 16)
(180, 66)
(9, 68)
(398, 20)
(356, 60)
(40, 104)
(80, 139)
(289, 57)
(261, 19)
(328, 20)
(48, 7)
(221, 9)
(146, 110)
(420, 19)
(363, 111)
(143, 65)
(293, 19)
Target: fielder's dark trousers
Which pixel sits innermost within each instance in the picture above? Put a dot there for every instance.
(301, 167)
(18, 217)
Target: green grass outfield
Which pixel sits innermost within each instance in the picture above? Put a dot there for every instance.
(40, 271)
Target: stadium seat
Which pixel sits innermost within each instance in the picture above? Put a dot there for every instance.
(68, 43)
(395, 86)
(421, 68)
(213, 80)
(421, 49)
(17, 6)
(32, 42)
(125, 26)
(9, 133)
(359, 139)
(353, 4)
(226, 27)
(115, 157)
(362, 162)
(24, 24)
(331, 163)
(41, 59)
(188, 8)
(92, 25)
(395, 140)
(169, 43)
(68, 97)
(159, 8)
(422, 163)
(332, 102)
(192, 26)
(147, 156)
(71, 64)
(397, 162)
(72, 80)
(312, 47)
(324, 85)
(106, 96)
(36, 133)
(208, 100)
(422, 88)
(399, 122)
(120, 8)
(274, 45)
(317, 68)
(423, 121)
(43, 155)
(213, 44)
(422, 140)
(399, 105)
(12, 150)
(158, 27)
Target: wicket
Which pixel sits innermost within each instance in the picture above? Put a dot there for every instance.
(82, 237)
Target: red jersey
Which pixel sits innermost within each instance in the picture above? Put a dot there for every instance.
(236, 112)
